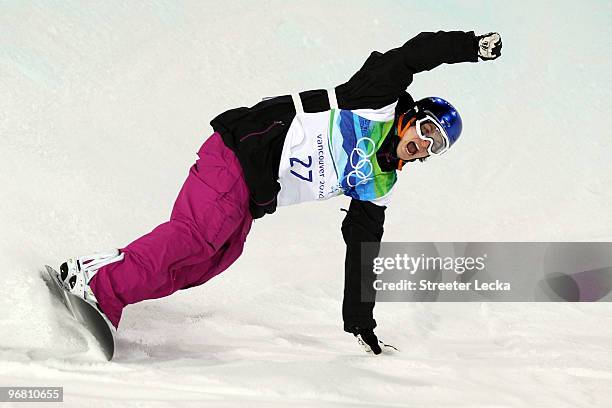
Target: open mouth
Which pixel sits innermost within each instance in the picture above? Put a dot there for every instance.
(412, 148)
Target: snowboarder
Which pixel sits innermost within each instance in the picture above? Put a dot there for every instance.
(318, 144)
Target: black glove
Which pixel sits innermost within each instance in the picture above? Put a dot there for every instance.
(489, 46)
(367, 338)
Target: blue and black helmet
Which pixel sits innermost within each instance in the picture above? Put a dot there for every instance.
(441, 111)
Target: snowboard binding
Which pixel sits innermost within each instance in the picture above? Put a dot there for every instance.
(76, 273)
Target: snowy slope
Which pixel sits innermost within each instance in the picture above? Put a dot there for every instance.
(104, 104)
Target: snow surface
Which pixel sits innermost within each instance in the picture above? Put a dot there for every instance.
(104, 104)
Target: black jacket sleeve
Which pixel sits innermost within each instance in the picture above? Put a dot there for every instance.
(383, 77)
(363, 223)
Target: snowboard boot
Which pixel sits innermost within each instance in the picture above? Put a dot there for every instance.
(76, 273)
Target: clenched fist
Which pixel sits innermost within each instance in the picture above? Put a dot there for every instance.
(489, 46)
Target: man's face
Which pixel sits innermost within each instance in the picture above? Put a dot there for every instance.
(411, 146)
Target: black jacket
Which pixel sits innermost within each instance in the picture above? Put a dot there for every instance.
(363, 223)
(257, 135)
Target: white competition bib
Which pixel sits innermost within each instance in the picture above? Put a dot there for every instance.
(326, 154)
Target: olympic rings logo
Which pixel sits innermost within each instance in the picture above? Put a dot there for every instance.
(362, 167)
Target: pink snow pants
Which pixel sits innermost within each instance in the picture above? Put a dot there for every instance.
(205, 235)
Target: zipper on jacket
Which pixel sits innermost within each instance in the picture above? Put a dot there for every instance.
(276, 122)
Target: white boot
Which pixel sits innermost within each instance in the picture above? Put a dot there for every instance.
(76, 273)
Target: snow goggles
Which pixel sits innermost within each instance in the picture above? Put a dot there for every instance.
(427, 128)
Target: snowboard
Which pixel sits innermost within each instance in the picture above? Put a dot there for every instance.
(88, 314)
